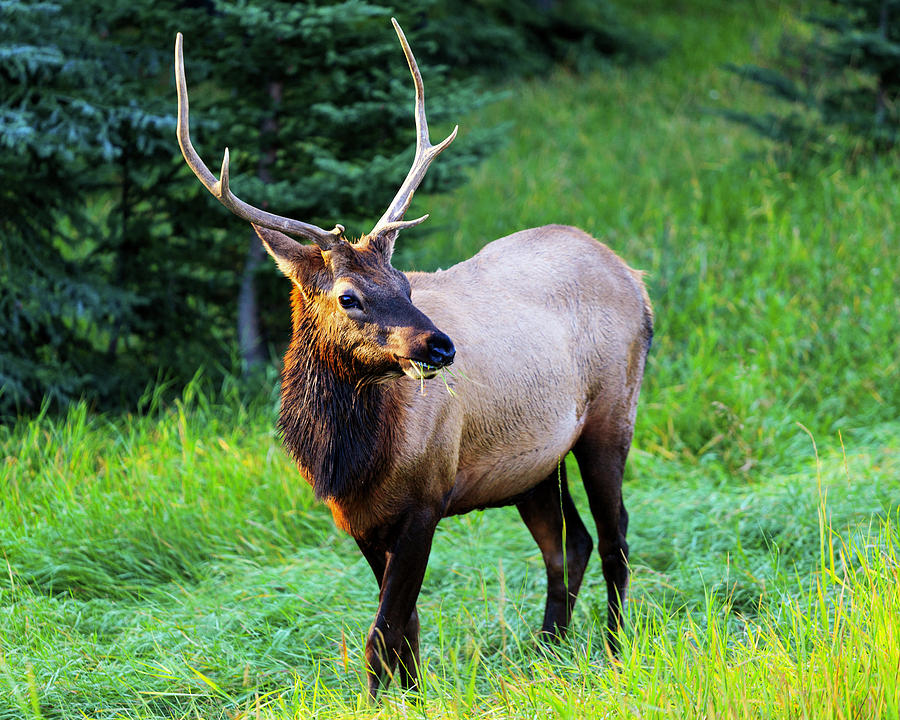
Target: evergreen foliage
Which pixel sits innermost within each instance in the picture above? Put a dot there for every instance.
(67, 117)
(846, 78)
(116, 267)
(515, 37)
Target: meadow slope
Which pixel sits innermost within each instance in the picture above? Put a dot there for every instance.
(173, 565)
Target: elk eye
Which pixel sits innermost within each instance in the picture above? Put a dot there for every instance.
(348, 301)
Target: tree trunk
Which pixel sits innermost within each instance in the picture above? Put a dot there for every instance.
(249, 336)
(880, 105)
(122, 252)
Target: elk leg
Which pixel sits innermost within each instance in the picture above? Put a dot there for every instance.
(409, 654)
(405, 559)
(409, 649)
(550, 514)
(602, 464)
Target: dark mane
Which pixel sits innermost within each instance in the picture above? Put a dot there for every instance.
(333, 422)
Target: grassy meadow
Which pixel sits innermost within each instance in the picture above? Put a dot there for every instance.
(173, 565)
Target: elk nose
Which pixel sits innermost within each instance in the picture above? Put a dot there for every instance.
(440, 349)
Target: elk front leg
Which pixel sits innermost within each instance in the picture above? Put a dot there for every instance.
(376, 556)
(394, 634)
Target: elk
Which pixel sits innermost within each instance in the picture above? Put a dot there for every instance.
(549, 330)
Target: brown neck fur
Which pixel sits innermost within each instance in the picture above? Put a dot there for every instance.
(336, 423)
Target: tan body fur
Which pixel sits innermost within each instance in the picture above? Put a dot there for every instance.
(551, 328)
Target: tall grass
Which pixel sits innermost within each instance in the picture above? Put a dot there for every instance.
(172, 565)
(238, 599)
(144, 499)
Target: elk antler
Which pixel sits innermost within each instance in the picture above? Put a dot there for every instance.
(219, 188)
(392, 220)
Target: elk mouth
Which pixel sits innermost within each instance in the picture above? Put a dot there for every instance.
(418, 369)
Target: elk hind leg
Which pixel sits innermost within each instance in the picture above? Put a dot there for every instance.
(601, 460)
(550, 515)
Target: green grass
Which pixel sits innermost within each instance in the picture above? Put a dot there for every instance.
(173, 565)
(170, 566)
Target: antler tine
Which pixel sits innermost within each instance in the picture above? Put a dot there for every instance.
(392, 220)
(220, 188)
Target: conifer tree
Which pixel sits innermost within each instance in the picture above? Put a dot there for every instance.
(66, 105)
(843, 84)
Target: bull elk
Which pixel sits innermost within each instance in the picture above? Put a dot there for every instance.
(549, 330)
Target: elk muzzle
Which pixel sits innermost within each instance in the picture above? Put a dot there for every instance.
(427, 357)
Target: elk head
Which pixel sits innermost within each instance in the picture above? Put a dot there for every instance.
(358, 302)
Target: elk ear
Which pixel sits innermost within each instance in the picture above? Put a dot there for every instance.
(299, 262)
(383, 242)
